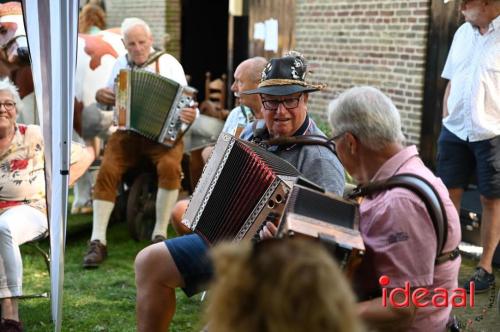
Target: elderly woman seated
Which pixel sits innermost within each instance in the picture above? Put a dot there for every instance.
(22, 196)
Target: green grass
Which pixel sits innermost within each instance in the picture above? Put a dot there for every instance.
(94, 300)
(103, 300)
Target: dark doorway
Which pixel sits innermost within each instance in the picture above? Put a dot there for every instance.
(204, 40)
(444, 21)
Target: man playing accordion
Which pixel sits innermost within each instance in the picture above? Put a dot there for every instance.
(182, 261)
(396, 225)
(124, 149)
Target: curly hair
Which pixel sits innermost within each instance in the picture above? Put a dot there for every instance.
(91, 16)
(279, 285)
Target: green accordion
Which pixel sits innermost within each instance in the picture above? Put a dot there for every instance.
(150, 104)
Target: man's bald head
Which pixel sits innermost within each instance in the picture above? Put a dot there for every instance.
(254, 67)
(247, 77)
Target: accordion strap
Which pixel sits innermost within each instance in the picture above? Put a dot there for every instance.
(152, 58)
(302, 140)
(423, 189)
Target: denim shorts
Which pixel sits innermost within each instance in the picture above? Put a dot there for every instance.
(190, 254)
(459, 160)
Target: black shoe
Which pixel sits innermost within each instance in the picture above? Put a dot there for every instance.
(482, 280)
(96, 254)
(9, 325)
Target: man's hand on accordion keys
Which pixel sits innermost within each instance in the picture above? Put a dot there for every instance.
(188, 114)
(105, 96)
(268, 231)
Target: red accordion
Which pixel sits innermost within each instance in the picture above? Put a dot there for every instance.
(242, 186)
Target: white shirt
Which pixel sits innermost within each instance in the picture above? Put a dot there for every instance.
(236, 117)
(473, 66)
(169, 68)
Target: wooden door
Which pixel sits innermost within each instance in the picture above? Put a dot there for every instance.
(281, 10)
(443, 22)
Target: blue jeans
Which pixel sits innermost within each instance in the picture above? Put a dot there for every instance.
(190, 254)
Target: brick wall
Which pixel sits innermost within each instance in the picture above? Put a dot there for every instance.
(173, 22)
(366, 42)
(163, 16)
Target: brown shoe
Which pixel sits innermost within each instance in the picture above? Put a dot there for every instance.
(9, 325)
(158, 238)
(95, 255)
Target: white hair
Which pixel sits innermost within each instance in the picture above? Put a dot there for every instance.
(369, 115)
(133, 22)
(7, 85)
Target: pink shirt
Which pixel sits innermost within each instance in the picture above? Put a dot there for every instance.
(401, 241)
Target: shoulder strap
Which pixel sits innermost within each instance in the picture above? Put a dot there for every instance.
(248, 117)
(423, 189)
(152, 58)
(303, 140)
(258, 130)
(242, 110)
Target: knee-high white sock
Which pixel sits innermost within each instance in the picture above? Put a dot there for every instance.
(102, 212)
(165, 201)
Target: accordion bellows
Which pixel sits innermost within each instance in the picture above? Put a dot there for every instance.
(149, 104)
(241, 186)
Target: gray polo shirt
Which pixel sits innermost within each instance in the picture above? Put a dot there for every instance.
(317, 163)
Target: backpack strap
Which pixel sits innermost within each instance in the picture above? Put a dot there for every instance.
(423, 189)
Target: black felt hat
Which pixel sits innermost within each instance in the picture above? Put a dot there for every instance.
(284, 76)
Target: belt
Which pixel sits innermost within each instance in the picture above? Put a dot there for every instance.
(447, 256)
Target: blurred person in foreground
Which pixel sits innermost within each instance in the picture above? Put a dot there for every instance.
(275, 285)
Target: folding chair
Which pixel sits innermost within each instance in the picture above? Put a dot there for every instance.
(35, 244)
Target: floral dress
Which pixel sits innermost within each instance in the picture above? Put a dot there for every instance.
(22, 176)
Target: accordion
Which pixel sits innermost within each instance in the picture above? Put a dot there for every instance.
(328, 217)
(150, 104)
(243, 186)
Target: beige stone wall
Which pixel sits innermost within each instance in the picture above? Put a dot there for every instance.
(367, 42)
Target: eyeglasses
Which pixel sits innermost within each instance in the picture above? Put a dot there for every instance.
(336, 137)
(8, 105)
(289, 103)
